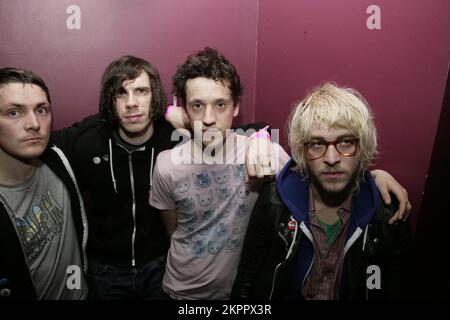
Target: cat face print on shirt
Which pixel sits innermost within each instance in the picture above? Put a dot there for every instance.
(222, 176)
(202, 180)
(205, 199)
(223, 193)
(214, 246)
(183, 185)
(243, 192)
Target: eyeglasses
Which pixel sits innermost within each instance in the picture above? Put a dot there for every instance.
(345, 146)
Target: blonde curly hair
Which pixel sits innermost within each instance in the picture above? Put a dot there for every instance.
(334, 107)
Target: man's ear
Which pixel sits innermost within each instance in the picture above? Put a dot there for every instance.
(236, 110)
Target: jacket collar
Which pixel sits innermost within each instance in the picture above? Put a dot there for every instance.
(293, 189)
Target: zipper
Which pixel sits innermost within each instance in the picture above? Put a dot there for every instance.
(133, 210)
(133, 206)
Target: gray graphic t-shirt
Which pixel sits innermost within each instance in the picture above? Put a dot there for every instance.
(213, 205)
(40, 210)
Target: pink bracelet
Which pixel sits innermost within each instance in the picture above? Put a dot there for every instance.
(262, 133)
(169, 110)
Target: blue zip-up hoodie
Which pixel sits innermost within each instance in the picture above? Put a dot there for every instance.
(278, 250)
(294, 192)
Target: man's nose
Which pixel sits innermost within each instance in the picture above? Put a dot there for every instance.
(332, 156)
(131, 100)
(209, 117)
(32, 122)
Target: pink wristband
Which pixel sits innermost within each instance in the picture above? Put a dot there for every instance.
(169, 110)
(262, 133)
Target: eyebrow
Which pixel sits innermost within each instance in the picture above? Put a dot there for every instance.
(215, 101)
(22, 106)
(195, 101)
(347, 135)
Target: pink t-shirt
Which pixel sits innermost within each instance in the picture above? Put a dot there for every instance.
(213, 205)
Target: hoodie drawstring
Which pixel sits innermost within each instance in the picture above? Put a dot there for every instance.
(112, 169)
(151, 167)
(111, 166)
(365, 238)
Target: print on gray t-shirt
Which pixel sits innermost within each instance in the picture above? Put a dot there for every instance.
(41, 212)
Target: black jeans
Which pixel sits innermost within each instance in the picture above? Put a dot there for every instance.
(108, 282)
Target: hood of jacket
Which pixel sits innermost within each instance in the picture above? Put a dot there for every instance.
(293, 189)
(157, 140)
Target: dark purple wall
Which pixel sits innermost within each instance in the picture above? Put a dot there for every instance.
(281, 49)
(400, 69)
(33, 34)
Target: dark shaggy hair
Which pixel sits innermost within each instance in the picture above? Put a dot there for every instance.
(207, 63)
(128, 68)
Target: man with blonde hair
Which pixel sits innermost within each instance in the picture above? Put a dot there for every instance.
(321, 231)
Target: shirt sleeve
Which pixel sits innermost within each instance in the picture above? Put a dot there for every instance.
(66, 138)
(161, 190)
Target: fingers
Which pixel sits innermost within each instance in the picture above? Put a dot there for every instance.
(402, 196)
(267, 161)
(273, 164)
(247, 179)
(250, 172)
(398, 216)
(259, 171)
(394, 218)
(408, 211)
(402, 209)
(386, 197)
(386, 184)
(259, 159)
(402, 213)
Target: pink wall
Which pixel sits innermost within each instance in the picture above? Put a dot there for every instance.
(400, 69)
(281, 49)
(33, 34)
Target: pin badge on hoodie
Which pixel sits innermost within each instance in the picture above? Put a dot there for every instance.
(291, 224)
(97, 160)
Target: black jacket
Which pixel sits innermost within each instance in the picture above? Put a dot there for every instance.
(124, 230)
(15, 278)
(266, 269)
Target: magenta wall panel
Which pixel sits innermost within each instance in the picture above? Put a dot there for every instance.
(281, 49)
(400, 69)
(34, 35)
